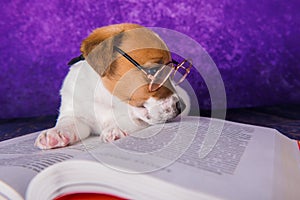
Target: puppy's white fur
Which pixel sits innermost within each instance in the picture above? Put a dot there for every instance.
(88, 107)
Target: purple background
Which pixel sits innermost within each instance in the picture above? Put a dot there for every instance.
(255, 45)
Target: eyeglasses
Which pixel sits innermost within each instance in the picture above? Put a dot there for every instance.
(159, 75)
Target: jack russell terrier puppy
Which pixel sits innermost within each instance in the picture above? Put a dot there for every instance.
(121, 83)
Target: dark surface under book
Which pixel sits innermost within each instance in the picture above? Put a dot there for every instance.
(284, 118)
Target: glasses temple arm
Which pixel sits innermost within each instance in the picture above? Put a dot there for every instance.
(129, 58)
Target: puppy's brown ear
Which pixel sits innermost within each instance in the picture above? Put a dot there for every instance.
(101, 57)
(97, 48)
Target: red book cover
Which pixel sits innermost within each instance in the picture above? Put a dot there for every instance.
(88, 196)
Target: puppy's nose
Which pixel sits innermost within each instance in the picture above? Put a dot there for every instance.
(180, 106)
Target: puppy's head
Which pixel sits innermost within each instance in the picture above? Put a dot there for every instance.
(123, 79)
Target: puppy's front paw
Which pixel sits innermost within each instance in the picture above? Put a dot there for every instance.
(111, 134)
(55, 137)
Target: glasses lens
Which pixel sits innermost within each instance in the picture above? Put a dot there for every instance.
(181, 72)
(161, 76)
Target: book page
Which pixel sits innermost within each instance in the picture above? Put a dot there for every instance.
(20, 160)
(287, 167)
(239, 166)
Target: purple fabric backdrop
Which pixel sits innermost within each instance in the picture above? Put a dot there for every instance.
(255, 45)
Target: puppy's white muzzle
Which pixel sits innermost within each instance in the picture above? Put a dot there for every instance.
(157, 111)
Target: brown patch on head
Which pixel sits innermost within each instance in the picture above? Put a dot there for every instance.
(103, 33)
(97, 48)
(119, 75)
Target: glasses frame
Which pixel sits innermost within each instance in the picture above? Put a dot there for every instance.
(152, 73)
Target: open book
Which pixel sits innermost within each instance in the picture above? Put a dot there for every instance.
(161, 162)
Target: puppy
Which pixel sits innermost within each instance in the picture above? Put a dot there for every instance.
(105, 94)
